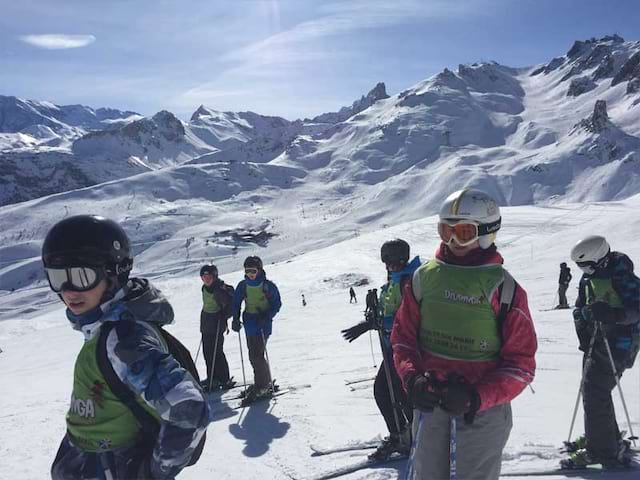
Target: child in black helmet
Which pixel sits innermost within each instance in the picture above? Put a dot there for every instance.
(217, 298)
(261, 303)
(390, 397)
(87, 261)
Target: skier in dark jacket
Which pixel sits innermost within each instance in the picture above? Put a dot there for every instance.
(395, 255)
(87, 261)
(352, 295)
(261, 303)
(217, 298)
(563, 285)
(607, 320)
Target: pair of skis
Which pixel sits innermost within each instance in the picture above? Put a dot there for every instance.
(592, 471)
(236, 400)
(589, 471)
(394, 460)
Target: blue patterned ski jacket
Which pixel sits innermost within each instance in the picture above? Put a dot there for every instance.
(143, 363)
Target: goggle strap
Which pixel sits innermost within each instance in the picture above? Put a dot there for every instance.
(487, 228)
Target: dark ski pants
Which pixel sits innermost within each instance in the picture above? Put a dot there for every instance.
(220, 365)
(562, 295)
(257, 344)
(600, 426)
(385, 405)
(71, 463)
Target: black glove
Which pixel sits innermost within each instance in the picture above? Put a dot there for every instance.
(236, 325)
(602, 312)
(459, 397)
(350, 334)
(423, 391)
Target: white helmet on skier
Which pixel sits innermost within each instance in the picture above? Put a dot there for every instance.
(469, 215)
(590, 253)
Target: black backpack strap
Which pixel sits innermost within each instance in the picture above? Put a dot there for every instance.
(507, 293)
(147, 422)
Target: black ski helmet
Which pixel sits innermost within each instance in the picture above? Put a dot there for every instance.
(395, 252)
(253, 262)
(210, 269)
(563, 265)
(89, 240)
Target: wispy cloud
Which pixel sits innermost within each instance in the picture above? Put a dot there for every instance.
(58, 41)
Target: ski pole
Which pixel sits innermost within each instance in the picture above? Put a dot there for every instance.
(198, 353)
(244, 377)
(387, 372)
(266, 354)
(414, 446)
(585, 367)
(453, 445)
(615, 375)
(373, 357)
(215, 354)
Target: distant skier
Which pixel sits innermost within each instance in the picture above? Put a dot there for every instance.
(87, 261)
(563, 285)
(464, 344)
(217, 298)
(395, 255)
(607, 320)
(261, 303)
(352, 295)
(304, 301)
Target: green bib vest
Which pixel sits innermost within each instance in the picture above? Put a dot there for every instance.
(209, 302)
(391, 298)
(255, 301)
(602, 291)
(97, 421)
(457, 319)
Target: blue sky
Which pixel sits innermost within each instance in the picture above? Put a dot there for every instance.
(294, 58)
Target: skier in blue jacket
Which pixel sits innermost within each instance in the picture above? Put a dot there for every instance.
(261, 303)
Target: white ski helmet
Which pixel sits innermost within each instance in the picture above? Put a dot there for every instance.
(590, 252)
(473, 206)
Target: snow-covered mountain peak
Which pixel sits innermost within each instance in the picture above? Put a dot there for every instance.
(598, 121)
(17, 114)
(379, 92)
(589, 61)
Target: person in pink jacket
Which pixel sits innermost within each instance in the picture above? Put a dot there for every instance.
(464, 345)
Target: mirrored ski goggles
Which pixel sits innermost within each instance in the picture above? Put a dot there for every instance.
(590, 267)
(77, 279)
(251, 271)
(465, 232)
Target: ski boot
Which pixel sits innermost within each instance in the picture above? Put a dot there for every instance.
(577, 444)
(394, 443)
(577, 460)
(215, 384)
(624, 456)
(255, 394)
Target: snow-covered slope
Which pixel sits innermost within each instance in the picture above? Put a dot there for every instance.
(513, 132)
(155, 142)
(274, 440)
